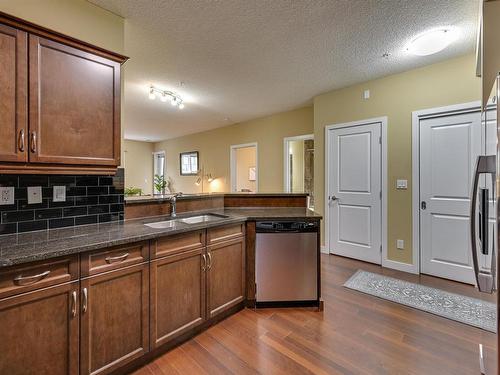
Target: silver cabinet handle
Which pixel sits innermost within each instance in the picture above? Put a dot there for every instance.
(33, 142)
(21, 140)
(85, 300)
(119, 258)
(204, 265)
(209, 261)
(27, 280)
(482, 367)
(73, 304)
(485, 281)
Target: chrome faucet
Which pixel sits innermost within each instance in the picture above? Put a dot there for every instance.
(173, 204)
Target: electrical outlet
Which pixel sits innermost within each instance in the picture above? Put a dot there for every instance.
(34, 194)
(59, 194)
(6, 195)
(400, 244)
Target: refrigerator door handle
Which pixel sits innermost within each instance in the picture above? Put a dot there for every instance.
(485, 280)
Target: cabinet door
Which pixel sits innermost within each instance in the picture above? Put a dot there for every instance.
(74, 109)
(177, 295)
(114, 319)
(39, 332)
(13, 94)
(225, 275)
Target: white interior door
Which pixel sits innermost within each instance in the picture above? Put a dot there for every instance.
(449, 147)
(355, 210)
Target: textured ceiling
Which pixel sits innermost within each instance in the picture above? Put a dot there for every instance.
(234, 60)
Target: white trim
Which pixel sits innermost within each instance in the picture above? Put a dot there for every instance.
(155, 153)
(286, 162)
(400, 266)
(416, 116)
(323, 250)
(232, 164)
(383, 122)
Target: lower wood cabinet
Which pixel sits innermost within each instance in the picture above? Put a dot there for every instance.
(177, 301)
(225, 275)
(39, 332)
(114, 319)
(104, 321)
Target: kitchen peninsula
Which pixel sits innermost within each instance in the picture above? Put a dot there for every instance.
(175, 279)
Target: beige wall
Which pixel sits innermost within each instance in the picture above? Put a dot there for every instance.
(214, 146)
(138, 164)
(245, 158)
(77, 18)
(395, 96)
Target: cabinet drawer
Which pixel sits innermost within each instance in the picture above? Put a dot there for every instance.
(179, 243)
(113, 258)
(27, 277)
(225, 233)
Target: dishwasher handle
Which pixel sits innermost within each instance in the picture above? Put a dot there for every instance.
(297, 226)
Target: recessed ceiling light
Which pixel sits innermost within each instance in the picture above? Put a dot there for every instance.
(432, 41)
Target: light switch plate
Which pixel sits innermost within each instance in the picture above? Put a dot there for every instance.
(34, 194)
(6, 195)
(59, 194)
(402, 184)
(400, 244)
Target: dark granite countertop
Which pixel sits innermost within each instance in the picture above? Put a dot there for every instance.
(28, 247)
(166, 197)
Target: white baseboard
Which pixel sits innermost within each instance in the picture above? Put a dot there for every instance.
(400, 266)
(323, 249)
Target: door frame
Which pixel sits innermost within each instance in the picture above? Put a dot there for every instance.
(383, 122)
(232, 166)
(416, 116)
(286, 160)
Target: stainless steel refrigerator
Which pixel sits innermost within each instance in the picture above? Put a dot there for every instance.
(484, 223)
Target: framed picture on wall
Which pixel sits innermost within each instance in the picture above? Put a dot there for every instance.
(251, 174)
(189, 163)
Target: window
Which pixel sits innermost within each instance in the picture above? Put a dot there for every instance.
(159, 168)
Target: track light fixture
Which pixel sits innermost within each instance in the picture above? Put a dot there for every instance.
(165, 95)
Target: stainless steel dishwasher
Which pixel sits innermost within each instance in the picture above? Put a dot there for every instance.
(286, 263)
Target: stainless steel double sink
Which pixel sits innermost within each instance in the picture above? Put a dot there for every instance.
(198, 219)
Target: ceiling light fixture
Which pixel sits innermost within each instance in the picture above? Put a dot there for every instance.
(432, 41)
(175, 99)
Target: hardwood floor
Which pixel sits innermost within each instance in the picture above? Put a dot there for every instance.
(356, 334)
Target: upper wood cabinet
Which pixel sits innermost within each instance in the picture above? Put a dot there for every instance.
(74, 111)
(13, 94)
(71, 123)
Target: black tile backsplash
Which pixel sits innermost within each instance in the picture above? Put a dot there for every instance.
(89, 200)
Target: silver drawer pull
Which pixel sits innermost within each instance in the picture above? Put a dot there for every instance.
(119, 258)
(27, 280)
